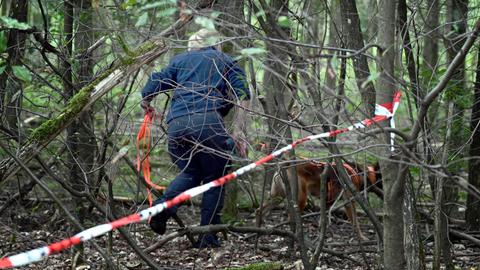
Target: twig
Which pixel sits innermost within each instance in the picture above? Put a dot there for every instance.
(30, 185)
(465, 236)
(363, 243)
(25, 189)
(69, 216)
(155, 192)
(218, 228)
(90, 49)
(323, 216)
(44, 134)
(454, 232)
(126, 235)
(432, 95)
(109, 215)
(231, 228)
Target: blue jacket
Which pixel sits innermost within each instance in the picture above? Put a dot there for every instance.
(201, 80)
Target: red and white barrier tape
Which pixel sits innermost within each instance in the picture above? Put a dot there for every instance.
(383, 111)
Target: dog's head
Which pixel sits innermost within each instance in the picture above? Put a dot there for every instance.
(374, 177)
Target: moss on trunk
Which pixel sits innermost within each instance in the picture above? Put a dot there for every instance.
(75, 105)
(81, 99)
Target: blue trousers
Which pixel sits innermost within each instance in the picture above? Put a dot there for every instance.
(200, 147)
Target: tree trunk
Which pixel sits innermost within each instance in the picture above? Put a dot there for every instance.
(312, 86)
(75, 178)
(413, 249)
(355, 41)
(429, 70)
(394, 257)
(428, 78)
(81, 139)
(5, 7)
(336, 39)
(428, 75)
(10, 86)
(372, 26)
(85, 142)
(430, 44)
(439, 88)
(412, 240)
(472, 215)
(276, 92)
(456, 94)
(440, 217)
(230, 9)
(407, 46)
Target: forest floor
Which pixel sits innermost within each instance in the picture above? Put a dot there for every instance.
(29, 227)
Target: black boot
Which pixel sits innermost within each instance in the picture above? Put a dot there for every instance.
(158, 223)
(207, 240)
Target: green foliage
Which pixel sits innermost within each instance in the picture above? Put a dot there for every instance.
(371, 78)
(462, 195)
(166, 12)
(260, 13)
(56, 24)
(252, 51)
(458, 136)
(374, 201)
(128, 4)
(228, 218)
(41, 96)
(22, 73)
(78, 102)
(51, 126)
(284, 21)
(205, 22)
(460, 96)
(415, 172)
(163, 10)
(7, 22)
(95, 3)
(132, 55)
(245, 203)
(142, 20)
(3, 42)
(158, 4)
(334, 63)
(116, 91)
(75, 105)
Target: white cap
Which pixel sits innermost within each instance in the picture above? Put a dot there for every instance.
(203, 38)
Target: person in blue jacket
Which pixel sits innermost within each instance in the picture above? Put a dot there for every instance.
(205, 85)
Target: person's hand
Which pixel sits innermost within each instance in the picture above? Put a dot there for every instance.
(146, 107)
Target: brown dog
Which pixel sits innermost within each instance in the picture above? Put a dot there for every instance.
(309, 175)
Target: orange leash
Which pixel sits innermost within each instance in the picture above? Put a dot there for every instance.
(143, 142)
